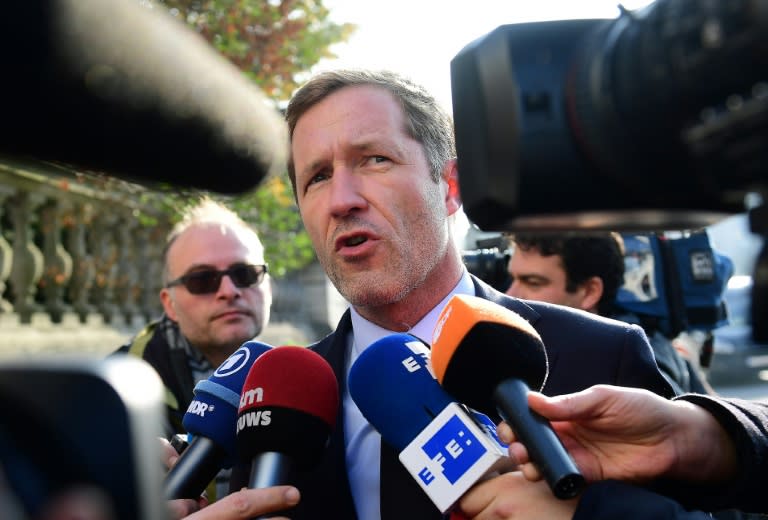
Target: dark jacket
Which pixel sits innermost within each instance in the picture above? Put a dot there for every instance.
(583, 350)
(172, 367)
(172, 363)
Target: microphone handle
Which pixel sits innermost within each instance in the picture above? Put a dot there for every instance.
(268, 469)
(535, 432)
(194, 470)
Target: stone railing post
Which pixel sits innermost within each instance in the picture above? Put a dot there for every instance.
(127, 285)
(57, 262)
(27, 265)
(150, 242)
(83, 272)
(6, 252)
(104, 251)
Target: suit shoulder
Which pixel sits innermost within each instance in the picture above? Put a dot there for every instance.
(570, 317)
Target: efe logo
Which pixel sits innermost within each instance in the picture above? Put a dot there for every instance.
(453, 449)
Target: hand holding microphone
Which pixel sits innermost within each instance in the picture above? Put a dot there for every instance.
(489, 358)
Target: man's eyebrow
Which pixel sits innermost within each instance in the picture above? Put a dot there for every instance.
(387, 147)
(528, 277)
(314, 165)
(362, 145)
(198, 267)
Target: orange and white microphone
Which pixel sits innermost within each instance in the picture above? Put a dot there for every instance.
(489, 357)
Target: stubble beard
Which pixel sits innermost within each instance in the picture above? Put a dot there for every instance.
(404, 267)
(385, 285)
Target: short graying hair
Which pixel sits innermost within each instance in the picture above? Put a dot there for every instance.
(426, 121)
(207, 212)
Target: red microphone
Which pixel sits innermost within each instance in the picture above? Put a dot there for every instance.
(288, 409)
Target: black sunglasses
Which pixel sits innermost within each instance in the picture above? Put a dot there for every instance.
(207, 281)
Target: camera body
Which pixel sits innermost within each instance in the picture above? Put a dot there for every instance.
(79, 422)
(489, 262)
(655, 120)
(676, 283)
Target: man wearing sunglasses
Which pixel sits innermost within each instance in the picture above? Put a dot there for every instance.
(216, 295)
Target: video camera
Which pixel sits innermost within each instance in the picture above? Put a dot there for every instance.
(675, 284)
(655, 120)
(489, 261)
(76, 422)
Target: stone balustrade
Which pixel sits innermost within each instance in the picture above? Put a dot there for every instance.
(77, 253)
(81, 261)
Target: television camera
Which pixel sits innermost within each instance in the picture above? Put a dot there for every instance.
(654, 120)
(488, 261)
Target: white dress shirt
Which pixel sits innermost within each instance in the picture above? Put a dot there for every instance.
(363, 442)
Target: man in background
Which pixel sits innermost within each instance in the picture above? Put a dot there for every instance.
(216, 295)
(585, 270)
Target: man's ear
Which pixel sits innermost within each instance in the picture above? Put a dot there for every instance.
(168, 304)
(593, 291)
(452, 196)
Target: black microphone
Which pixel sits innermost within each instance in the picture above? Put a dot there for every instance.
(116, 87)
(288, 409)
(209, 420)
(489, 358)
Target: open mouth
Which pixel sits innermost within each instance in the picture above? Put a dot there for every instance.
(355, 241)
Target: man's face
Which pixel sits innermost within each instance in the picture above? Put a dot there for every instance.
(377, 221)
(217, 322)
(540, 278)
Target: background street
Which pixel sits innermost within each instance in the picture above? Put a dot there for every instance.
(752, 390)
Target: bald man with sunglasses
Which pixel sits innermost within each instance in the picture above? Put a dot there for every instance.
(216, 295)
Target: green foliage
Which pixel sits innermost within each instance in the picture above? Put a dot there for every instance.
(273, 42)
(273, 212)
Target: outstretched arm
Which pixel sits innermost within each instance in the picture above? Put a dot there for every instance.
(634, 435)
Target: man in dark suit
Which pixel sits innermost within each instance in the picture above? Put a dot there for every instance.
(374, 172)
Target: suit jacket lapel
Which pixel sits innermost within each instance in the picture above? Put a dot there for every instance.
(327, 488)
(334, 350)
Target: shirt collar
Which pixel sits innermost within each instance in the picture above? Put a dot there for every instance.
(366, 332)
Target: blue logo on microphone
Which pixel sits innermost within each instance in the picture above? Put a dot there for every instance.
(454, 449)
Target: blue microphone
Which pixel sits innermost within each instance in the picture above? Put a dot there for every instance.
(442, 444)
(210, 420)
(391, 384)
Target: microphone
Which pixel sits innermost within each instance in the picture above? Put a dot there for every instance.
(137, 95)
(288, 408)
(445, 447)
(210, 420)
(489, 357)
